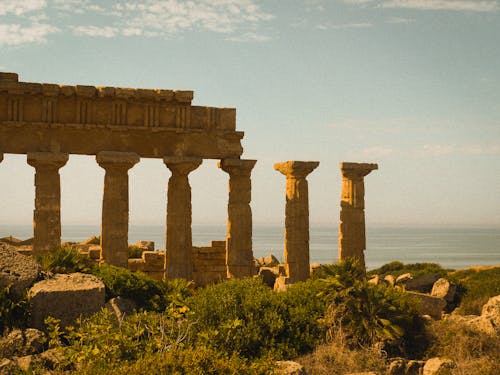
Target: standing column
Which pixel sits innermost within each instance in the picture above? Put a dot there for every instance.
(114, 225)
(352, 239)
(179, 259)
(239, 255)
(47, 213)
(297, 217)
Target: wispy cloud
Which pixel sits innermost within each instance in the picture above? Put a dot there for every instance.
(358, 25)
(18, 8)
(16, 34)
(437, 150)
(238, 20)
(454, 5)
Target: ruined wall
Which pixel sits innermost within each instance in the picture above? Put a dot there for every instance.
(209, 263)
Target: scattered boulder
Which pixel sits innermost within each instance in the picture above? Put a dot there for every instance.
(16, 269)
(422, 284)
(146, 245)
(414, 367)
(121, 307)
(93, 240)
(397, 367)
(436, 365)
(429, 305)
(491, 313)
(289, 368)
(445, 289)
(270, 261)
(11, 344)
(268, 275)
(51, 358)
(66, 297)
(389, 280)
(7, 366)
(374, 280)
(403, 278)
(24, 362)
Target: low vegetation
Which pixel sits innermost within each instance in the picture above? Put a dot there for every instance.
(334, 322)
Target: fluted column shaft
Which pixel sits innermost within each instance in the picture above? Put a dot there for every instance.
(296, 252)
(239, 254)
(352, 237)
(47, 213)
(115, 206)
(179, 259)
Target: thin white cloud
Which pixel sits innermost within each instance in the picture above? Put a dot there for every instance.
(358, 25)
(249, 37)
(452, 5)
(20, 7)
(96, 31)
(16, 34)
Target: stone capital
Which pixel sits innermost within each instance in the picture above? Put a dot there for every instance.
(356, 170)
(296, 169)
(237, 167)
(182, 165)
(117, 160)
(53, 160)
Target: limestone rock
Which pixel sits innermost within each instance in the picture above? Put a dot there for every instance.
(11, 344)
(282, 284)
(270, 261)
(445, 289)
(429, 305)
(375, 279)
(147, 245)
(491, 313)
(51, 358)
(362, 373)
(389, 280)
(16, 269)
(7, 366)
(414, 367)
(421, 284)
(289, 368)
(268, 275)
(66, 297)
(23, 362)
(121, 307)
(397, 367)
(403, 278)
(434, 365)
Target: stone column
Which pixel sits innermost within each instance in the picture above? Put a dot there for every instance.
(296, 217)
(47, 213)
(239, 255)
(114, 225)
(352, 239)
(179, 259)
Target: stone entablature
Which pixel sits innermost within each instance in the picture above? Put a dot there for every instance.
(151, 123)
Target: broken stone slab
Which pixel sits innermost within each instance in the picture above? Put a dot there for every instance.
(403, 278)
(429, 305)
(445, 289)
(66, 297)
(17, 269)
(436, 365)
(422, 283)
(270, 261)
(147, 245)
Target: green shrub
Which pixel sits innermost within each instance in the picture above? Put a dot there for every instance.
(135, 251)
(476, 287)
(416, 269)
(148, 294)
(65, 260)
(246, 317)
(14, 310)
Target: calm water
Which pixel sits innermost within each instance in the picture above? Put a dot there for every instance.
(450, 247)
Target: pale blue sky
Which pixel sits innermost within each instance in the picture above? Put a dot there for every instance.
(411, 84)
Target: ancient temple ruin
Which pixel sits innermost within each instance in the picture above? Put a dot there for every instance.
(119, 126)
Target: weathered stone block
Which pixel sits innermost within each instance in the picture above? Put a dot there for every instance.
(153, 260)
(65, 297)
(17, 269)
(435, 366)
(429, 305)
(443, 288)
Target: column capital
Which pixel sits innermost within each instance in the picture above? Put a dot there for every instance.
(237, 166)
(296, 169)
(356, 170)
(182, 165)
(47, 159)
(116, 159)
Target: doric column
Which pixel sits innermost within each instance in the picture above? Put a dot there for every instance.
(47, 213)
(114, 225)
(239, 255)
(297, 217)
(179, 259)
(352, 239)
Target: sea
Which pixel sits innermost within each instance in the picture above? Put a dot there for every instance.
(453, 248)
